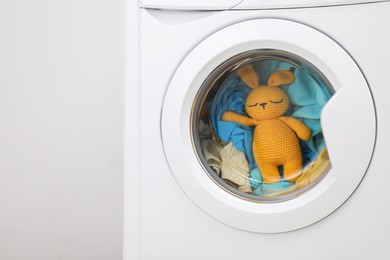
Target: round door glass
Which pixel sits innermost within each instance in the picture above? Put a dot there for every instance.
(256, 125)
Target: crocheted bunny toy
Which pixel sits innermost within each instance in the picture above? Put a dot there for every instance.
(275, 137)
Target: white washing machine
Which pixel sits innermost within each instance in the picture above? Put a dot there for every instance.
(257, 129)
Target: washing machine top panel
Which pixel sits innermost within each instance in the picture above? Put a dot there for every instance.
(243, 4)
(190, 4)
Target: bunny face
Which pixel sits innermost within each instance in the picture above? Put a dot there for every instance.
(266, 102)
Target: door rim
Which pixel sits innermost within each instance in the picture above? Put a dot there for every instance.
(175, 123)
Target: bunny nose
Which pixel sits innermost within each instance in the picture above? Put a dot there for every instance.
(263, 104)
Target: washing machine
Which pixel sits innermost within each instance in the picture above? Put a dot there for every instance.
(257, 129)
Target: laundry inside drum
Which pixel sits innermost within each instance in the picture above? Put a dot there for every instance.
(256, 125)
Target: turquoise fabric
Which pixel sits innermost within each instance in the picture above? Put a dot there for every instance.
(308, 94)
(259, 188)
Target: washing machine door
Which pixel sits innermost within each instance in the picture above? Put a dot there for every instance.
(347, 123)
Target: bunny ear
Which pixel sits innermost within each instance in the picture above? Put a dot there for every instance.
(249, 76)
(281, 77)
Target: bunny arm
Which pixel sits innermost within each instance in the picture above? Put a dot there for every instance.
(234, 117)
(302, 131)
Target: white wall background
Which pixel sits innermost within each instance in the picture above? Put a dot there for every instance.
(61, 67)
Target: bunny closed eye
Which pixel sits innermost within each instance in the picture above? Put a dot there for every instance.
(272, 101)
(276, 102)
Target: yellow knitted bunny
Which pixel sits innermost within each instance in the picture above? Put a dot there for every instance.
(275, 137)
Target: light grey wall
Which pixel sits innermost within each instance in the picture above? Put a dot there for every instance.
(61, 67)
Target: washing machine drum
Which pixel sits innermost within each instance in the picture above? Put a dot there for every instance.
(266, 131)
